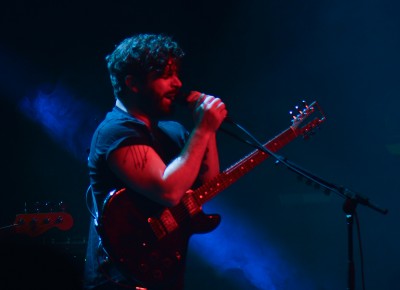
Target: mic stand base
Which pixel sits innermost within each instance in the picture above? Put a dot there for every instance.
(349, 207)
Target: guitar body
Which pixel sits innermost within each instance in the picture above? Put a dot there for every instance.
(147, 242)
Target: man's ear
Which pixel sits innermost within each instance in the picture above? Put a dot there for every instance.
(132, 83)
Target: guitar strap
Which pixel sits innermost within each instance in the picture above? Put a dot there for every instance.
(95, 209)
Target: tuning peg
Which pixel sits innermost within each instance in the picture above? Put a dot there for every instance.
(63, 205)
(297, 108)
(36, 207)
(299, 111)
(291, 113)
(59, 220)
(48, 206)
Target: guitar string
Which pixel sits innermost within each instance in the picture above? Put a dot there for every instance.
(236, 171)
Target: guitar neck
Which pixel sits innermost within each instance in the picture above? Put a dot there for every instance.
(223, 180)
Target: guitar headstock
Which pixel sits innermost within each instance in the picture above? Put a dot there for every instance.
(303, 113)
(36, 223)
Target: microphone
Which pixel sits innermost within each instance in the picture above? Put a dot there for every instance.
(181, 98)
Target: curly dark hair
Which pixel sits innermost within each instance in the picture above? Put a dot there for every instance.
(139, 55)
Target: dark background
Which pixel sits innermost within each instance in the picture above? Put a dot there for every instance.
(261, 57)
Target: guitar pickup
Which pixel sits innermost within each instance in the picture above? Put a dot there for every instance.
(163, 225)
(168, 220)
(157, 228)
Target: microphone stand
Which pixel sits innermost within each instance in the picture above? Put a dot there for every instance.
(352, 198)
(349, 208)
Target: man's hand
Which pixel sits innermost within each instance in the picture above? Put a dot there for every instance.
(209, 111)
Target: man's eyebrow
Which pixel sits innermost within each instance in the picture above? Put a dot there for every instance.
(171, 68)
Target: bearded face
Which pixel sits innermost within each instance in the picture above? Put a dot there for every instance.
(158, 93)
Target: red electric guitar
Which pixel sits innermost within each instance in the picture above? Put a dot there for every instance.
(148, 242)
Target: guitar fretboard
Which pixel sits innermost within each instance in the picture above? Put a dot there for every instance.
(210, 189)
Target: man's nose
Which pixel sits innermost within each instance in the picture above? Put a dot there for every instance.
(176, 82)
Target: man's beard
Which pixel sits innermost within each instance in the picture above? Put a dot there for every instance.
(153, 106)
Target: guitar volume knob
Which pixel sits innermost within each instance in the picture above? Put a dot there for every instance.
(59, 220)
(144, 268)
(178, 255)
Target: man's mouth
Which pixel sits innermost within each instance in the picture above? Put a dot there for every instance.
(171, 96)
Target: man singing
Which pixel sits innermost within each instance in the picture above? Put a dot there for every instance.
(137, 148)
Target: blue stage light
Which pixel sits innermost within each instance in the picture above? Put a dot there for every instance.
(237, 245)
(67, 120)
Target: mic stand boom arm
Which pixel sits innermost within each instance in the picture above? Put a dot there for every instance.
(328, 187)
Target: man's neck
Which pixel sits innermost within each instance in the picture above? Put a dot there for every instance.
(135, 113)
